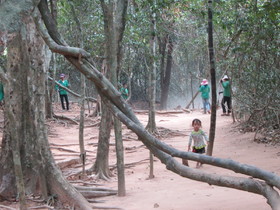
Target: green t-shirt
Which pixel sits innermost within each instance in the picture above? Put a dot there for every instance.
(1, 92)
(124, 92)
(65, 84)
(205, 90)
(226, 86)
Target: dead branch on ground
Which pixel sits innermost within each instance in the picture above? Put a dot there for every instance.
(62, 117)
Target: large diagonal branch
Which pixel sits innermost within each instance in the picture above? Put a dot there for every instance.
(107, 90)
(165, 153)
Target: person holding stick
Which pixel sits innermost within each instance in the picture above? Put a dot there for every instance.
(63, 93)
(226, 96)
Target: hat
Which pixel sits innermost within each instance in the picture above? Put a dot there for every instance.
(62, 75)
(225, 77)
(204, 82)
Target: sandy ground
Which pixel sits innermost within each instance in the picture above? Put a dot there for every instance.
(168, 191)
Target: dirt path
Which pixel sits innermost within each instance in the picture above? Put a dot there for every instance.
(168, 191)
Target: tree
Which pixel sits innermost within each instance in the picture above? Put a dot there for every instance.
(213, 80)
(25, 131)
(114, 25)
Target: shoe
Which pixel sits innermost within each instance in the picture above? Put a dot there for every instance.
(209, 112)
(224, 114)
(228, 114)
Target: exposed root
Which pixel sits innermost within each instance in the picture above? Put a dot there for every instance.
(42, 207)
(6, 207)
(129, 165)
(62, 117)
(65, 164)
(96, 194)
(82, 188)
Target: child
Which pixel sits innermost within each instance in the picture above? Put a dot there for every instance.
(198, 136)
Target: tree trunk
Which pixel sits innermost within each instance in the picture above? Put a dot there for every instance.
(50, 86)
(213, 81)
(114, 25)
(83, 95)
(101, 165)
(151, 126)
(82, 122)
(166, 75)
(26, 98)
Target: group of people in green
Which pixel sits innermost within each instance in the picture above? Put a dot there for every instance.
(204, 88)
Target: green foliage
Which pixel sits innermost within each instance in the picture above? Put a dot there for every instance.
(246, 38)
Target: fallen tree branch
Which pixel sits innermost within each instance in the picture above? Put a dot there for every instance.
(42, 207)
(62, 117)
(96, 194)
(83, 188)
(7, 207)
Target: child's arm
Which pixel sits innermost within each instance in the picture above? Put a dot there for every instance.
(190, 143)
(205, 137)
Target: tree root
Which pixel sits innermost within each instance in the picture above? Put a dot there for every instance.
(7, 207)
(129, 165)
(96, 194)
(42, 207)
(84, 183)
(65, 164)
(62, 117)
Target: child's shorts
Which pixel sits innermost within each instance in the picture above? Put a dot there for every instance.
(200, 151)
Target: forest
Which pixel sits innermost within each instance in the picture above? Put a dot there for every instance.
(160, 49)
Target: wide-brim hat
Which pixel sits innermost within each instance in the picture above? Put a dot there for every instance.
(225, 77)
(204, 82)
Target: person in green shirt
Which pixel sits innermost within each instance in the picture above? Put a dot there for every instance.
(1, 94)
(63, 93)
(124, 92)
(226, 96)
(205, 90)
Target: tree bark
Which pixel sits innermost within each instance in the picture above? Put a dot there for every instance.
(151, 126)
(213, 81)
(166, 75)
(26, 98)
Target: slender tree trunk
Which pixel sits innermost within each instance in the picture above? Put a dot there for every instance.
(166, 75)
(50, 86)
(83, 95)
(213, 80)
(114, 25)
(82, 122)
(151, 126)
(101, 165)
